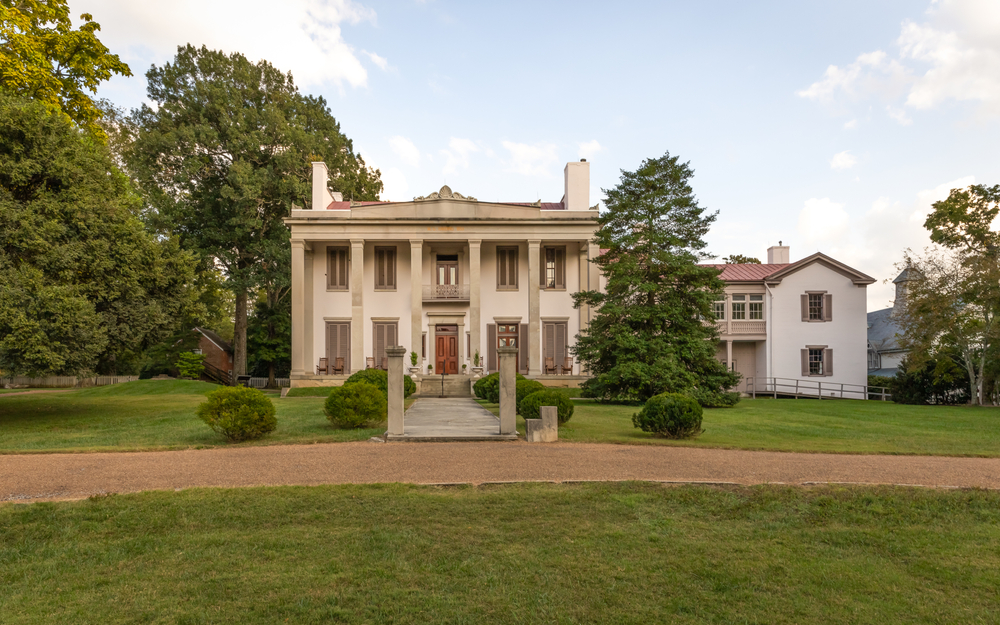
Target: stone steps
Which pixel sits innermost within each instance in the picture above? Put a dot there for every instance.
(454, 386)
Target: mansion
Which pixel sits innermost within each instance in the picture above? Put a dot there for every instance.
(451, 278)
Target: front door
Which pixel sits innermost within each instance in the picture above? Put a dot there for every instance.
(446, 350)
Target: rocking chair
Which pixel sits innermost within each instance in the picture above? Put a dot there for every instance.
(324, 367)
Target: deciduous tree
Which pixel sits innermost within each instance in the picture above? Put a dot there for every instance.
(647, 336)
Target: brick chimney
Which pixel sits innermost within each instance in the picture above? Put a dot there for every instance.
(777, 254)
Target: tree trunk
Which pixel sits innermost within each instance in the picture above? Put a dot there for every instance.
(240, 335)
(271, 382)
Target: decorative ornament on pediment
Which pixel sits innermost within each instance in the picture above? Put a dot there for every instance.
(445, 194)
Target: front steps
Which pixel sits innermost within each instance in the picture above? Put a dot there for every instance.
(445, 386)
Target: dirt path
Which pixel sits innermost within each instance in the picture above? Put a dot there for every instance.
(37, 390)
(71, 476)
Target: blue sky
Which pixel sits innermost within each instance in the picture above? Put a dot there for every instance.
(831, 126)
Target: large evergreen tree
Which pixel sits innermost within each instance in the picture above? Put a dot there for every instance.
(83, 286)
(647, 336)
(225, 153)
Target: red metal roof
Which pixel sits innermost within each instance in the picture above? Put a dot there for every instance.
(343, 206)
(747, 273)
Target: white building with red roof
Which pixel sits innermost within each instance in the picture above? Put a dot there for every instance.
(801, 323)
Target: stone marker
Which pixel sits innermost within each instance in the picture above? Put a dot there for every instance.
(544, 430)
(395, 358)
(508, 389)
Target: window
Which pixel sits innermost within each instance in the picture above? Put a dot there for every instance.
(384, 335)
(506, 268)
(739, 307)
(815, 307)
(337, 271)
(719, 308)
(338, 345)
(756, 307)
(507, 335)
(815, 362)
(554, 343)
(554, 268)
(385, 268)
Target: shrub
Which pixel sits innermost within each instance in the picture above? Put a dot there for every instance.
(488, 387)
(238, 413)
(937, 381)
(413, 359)
(671, 415)
(355, 405)
(531, 404)
(190, 365)
(715, 399)
(525, 388)
(380, 380)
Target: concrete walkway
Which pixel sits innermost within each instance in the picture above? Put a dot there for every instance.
(450, 419)
(38, 477)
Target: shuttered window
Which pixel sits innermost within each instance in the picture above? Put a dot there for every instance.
(384, 335)
(817, 307)
(385, 269)
(554, 345)
(506, 268)
(338, 345)
(553, 268)
(337, 271)
(817, 361)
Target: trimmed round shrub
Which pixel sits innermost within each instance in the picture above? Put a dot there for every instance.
(488, 387)
(525, 388)
(531, 404)
(239, 413)
(356, 405)
(380, 380)
(671, 415)
(715, 399)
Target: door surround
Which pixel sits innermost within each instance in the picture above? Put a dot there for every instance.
(452, 318)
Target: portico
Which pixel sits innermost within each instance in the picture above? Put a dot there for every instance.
(438, 275)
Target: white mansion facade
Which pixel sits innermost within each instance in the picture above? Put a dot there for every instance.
(447, 276)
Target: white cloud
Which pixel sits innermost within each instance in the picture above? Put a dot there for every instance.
(851, 124)
(301, 36)
(823, 222)
(457, 154)
(381, 62)
(899, 115)
(589, 149)
(404, 149)
(954, 55)
(843, 160)
(531, 160)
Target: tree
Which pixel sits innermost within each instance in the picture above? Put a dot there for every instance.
(964, 220)
(83, 285)
(224, 154)
(950, 308)
(648, 336)
(269, 333)
(43, 58)
(740, 259)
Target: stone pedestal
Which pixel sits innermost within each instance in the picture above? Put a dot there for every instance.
(395, 357)
(545, 429)
(508, 390)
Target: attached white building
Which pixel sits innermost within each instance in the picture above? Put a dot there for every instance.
(803, 321)
(444, 275)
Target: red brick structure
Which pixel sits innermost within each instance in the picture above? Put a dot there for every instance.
(217, 351)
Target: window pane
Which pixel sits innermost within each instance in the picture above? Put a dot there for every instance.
(757, 310)
(739, 310)
(756, 298)
(815, 362)
(816, 306)
(739, 298)
(720, 310)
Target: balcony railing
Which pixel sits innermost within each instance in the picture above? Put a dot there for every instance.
(742, 327)
(446, 292)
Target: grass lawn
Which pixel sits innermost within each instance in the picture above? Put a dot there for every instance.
(839, 426)
(146, 415)
(592, 553)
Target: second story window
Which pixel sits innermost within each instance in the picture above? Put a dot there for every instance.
(385, 268)
(756, 308)
(337, 270)
(815, 307)
(506, 268)
(719, 308)
(739, 307)
(554, 268)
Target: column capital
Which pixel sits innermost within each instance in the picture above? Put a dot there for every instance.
(534, 242)
(415, 243)
(298, 244)
(475, 242)
(357, 242)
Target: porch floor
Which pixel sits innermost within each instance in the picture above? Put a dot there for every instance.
(436, 419)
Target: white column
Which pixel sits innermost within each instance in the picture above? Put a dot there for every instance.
(357, 304)
(584, 286)
(534, 310)
(729, 355)
(416, 293)
(308, 321)
(474, 295)
(298, 307)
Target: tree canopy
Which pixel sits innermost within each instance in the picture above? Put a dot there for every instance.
(42, 57)
(83, 285)
(964, 220)
(223, 155)
(647, 336)
(740, 259)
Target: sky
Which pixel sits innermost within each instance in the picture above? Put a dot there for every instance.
(829, 126)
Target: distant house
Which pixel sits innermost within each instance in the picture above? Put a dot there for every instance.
(884, 351)
(218, 353)
(796, 321)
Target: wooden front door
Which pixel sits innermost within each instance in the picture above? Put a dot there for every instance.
(446, 350)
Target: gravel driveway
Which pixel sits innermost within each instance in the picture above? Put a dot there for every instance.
(70, 476)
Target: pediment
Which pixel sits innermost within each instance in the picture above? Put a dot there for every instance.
(445, 193)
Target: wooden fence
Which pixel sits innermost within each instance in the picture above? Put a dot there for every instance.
(65, 381)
